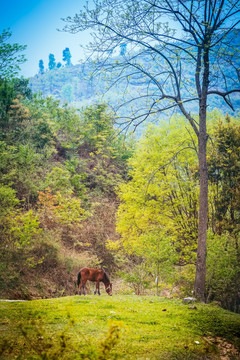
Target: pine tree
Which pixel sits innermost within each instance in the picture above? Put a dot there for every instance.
(52, 62)
(41, 67)
(67, 56)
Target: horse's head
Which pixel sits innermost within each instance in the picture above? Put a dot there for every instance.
(108, 289)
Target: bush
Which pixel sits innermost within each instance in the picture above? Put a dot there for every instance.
(223, 271)
(41, 346)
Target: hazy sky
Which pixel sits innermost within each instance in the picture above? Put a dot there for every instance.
(34, 23)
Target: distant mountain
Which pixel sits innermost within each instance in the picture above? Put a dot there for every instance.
(79, 86)
(67, 84)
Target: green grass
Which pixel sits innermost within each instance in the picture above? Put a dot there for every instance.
(123, 327)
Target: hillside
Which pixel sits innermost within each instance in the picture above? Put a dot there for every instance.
(68, 84)
(80, 86)
(59, 169)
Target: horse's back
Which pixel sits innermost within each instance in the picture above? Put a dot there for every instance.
(91, 274)
(85, 271)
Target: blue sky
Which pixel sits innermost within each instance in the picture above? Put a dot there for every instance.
(34, 23)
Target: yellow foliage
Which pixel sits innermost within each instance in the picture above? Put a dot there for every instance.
(161, 199)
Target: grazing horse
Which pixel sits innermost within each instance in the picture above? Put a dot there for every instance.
(96, 275)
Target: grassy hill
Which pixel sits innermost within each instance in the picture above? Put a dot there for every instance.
(117, 327)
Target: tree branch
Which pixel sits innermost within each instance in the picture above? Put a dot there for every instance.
(224, 95)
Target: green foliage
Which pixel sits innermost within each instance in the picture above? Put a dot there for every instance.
(97, 126)
(54, 124)
(224, 174)
(69, 210)
(21, 86)
(8, 200)
(62, 209)
(18, 229)
(223, 271)
(112, 339)
(107, 150)
(20, 168)
(137, 278)
(8, 211)
(18, 232)
(223, 252)
(10, 59)
(7, 94)
(27, 167)
(26, 227)
(12, 111)
(59, 180)
(18, 118)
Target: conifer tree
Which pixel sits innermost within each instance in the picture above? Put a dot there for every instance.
(41, 67)
(67, 56)
(52, 62)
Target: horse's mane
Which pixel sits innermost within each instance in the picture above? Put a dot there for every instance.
(105, 277)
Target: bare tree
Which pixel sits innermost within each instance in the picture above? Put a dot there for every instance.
(175, 69)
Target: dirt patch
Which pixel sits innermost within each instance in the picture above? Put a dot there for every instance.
(226, 350)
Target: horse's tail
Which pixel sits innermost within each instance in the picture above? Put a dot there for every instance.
(78, 278)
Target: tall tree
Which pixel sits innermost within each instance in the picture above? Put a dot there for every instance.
(41, 67)
(181, 68)
(51, 62)
(10, 56)
(67, 56)
(159, 203)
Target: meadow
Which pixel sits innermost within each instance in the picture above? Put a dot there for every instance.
(117, 327)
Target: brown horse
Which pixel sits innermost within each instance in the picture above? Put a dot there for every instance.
(96, 275)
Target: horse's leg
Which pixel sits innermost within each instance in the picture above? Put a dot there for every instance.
(83, 287)
(97, 287)
(79, 288)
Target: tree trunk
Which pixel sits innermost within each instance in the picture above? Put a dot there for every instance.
(202, 220)
(203, 196)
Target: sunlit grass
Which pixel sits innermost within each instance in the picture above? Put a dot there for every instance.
(150, 327)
